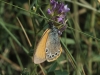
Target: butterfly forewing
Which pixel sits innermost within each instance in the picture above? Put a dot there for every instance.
(39, 55)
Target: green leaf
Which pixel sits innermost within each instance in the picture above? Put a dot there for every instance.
(68, 40)
(60, 72)
(25, 72)
(53, 67)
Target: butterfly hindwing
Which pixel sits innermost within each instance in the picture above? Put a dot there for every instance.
(53, 46)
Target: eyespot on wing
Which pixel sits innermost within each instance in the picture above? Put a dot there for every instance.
(56, 56)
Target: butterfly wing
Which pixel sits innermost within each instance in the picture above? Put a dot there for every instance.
(53, 46)
(39, 55)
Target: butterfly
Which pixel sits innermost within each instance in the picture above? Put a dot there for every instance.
(49, 47)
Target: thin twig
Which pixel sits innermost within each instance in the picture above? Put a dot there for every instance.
(28, 41)
(42, 69)
(24, 32)
(15, 66)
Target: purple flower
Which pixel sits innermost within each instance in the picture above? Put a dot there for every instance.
(58, 7)
(62, 29)
(49, 11)
(52, 2)
(66, 9)
(61, 7)
(61, 18)
(58, 11)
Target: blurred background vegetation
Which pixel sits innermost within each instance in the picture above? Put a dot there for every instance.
(80, 41)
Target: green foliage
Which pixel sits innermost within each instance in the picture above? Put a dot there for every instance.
(80, 41)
